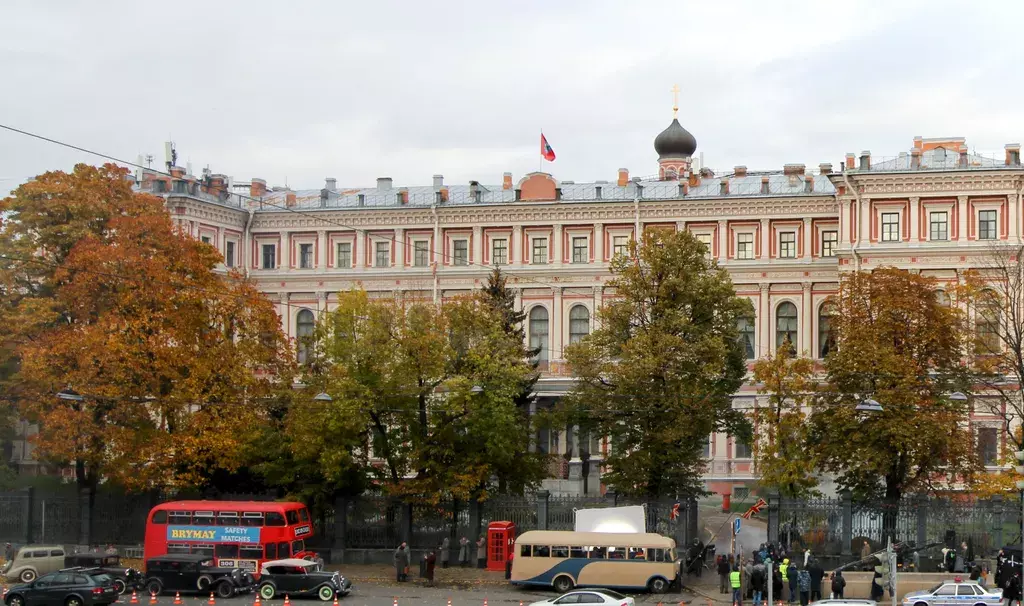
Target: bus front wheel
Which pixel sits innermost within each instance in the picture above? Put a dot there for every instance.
(563, 584)
(657, 585)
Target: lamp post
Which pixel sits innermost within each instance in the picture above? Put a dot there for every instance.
(323, 396)
(1020, 486)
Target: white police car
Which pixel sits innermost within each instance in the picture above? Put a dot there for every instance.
(954, 592)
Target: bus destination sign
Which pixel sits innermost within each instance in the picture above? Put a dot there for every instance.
(214, 534)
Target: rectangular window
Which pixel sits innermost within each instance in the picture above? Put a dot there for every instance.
(787, 245)
(988, 446)
(269, 256)
(499, 252)
(742, 449)
(305, 256)
(229, 254)
(206, 239)
(890, 227)
(705, 239)
(938, 226)
(707, 448)
(420, 254)
(987, 225)
(745, 246)
(525, 551)
(382, 257)
(829, 239)
(580, 251)
(620, 245)
(460, 252)
(540, 251)
(344, 256)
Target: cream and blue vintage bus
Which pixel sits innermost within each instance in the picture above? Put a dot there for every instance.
(566, 559)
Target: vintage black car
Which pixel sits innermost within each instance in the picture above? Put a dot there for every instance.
(125, 579)
(194, 573)
(300, 577)
(74, 587)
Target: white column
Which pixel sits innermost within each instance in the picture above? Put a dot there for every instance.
(598, 303)
(915, 223)
(963, 218)
(321, 249)
(286, 251)
(808, 241)
(518, 294)
(764, 314)
(360, 250)
(765, 242)
(399, 247)
(599, 243)
(723, 241)
(556, 326)
(844, 223)
(864, 232)
(556, 244)
(478, 244)
(1013, 233)
(515, 252)
(806, 339)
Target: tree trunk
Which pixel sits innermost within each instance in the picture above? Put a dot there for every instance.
(890, 511)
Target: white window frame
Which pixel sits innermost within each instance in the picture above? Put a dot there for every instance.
(886, 234)
(782, 249)
(834, 242)
(534, 239)
(263, 258)
(572, 249)
(620, 244)
(337, 254)
(995, 224)
(421, 245)
(455, 260)
(739, 250)
(945, 225)
(312, 255)
(376, 253)
(232, 260)
(494, 245)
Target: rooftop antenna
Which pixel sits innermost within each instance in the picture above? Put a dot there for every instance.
(138, 169)
(170, 155)
(149, 160)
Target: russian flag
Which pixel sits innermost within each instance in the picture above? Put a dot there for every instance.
(545, 150)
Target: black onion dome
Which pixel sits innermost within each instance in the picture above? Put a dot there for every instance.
(674, 142)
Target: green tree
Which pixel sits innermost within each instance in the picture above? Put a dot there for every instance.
(898, 344)
(658, 376)
(427, 390)
(781, 441)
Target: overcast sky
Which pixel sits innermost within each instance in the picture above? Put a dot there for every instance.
(357, 90)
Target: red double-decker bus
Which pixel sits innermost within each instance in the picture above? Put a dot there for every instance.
(240, 534)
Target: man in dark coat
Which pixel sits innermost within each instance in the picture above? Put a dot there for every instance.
(700, 556)
(431, 563)
(758, 583)
(817, 574)
(723, 574)
(401, 559)
(1012, 592)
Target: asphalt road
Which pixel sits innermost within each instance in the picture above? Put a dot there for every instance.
(374, 594)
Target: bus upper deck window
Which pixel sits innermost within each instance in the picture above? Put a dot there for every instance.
(274, 518)
(202, 518)
(541, 551)
(303, 515)
(180, 517)
(252, 518)
(227, 518)
(293, 516)
(159, 517)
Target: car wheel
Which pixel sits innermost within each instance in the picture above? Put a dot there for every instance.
(155, 588)
(27, 576)
(921, 604)
(563, 584)
(119, 586)
(657, 585)
(73, 601)
(15, 600)
(225, 590)
(267, 591)
(204, 582)
(325, 593)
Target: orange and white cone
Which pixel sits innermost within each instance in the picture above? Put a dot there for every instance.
(335, 599)
(211, 601)
(177, 597)
(485, 601)
(395, 602)
(135, 598)
(257, 602)
(152, 599)
(287, 602)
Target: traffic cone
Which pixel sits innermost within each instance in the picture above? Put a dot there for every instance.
(257, 602)
(287, 602)
(485, 601)
(395, 603)
(211, 601)
(152, 599)
(135, 598)
(335, 599)
(177, 598)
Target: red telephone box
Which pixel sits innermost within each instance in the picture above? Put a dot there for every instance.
(501, 538)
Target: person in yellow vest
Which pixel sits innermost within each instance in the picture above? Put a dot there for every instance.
(734, 582)
(784, 569)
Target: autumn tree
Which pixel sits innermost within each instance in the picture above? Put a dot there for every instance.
(429, 391)
(781, 429)
(173, 362)
(900, 345)
(658, 376)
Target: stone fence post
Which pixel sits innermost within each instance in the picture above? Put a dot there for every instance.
(847, 546)
(542, 509)
(340, 529)
(922, 520)
(773, 517)
(996, 503)
(28, 507)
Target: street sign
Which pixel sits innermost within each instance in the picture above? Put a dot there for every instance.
(736, 526)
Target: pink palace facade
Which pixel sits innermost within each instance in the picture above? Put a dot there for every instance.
(784, 236)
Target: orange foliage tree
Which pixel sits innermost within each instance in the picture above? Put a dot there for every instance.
(175, 362)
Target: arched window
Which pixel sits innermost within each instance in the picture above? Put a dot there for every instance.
(305, 322)
(826, 340)
(987, 323)
(942, 298)
(579, 323)
(745, 326)
(539, 332)
(786, 326)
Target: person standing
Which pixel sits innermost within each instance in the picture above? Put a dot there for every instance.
(8, 552)
(1012, 592)
(723, 574)
(817, 574)
(445, 552)
(776, 584)
(463, 552)
(784, 571)
(746, 571)
(803, 581)
(431, 564)
(758, 580)
(838, 584)
(481, 552)
(401, 559)
(1000, 559)
(700, 557)
(735, 583)
(793, 572)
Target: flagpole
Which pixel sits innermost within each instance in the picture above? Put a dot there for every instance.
(540, 158)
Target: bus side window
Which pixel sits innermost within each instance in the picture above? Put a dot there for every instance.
(598, 553)
(181, 518)
(656, 555)
(303, 515)
(560, 551)
(283, 550)
(203, 518)
(636, 553)
(275, 518)
(616, 553)
(541, 551)
(271, 551)
(206, 550)
(229, 550)
(524, 551)
(159, 517)
(293, 516)
(177, 548)
(577, 552)
(251, 518)
(227, 518)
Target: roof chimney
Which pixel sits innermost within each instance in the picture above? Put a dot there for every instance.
(693, 180)
(764, 186)
(915, 158)
(851, 161)
(723, 187)
(438, 182)
(403, 196)
(623, 177)
(258, 188)
(383, 183)
(289, 199)
(809, 184)
(793, 169)
(332, 184)
(1013, 154)
(963, 157)
(865, 160)
(506, 181)
(740, 171)
(825, 168)
(919, 143)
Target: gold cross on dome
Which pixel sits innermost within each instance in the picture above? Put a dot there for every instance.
(675, 100)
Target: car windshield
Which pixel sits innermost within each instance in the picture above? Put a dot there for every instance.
(102, 579)
(936, 588)
(612, 594)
